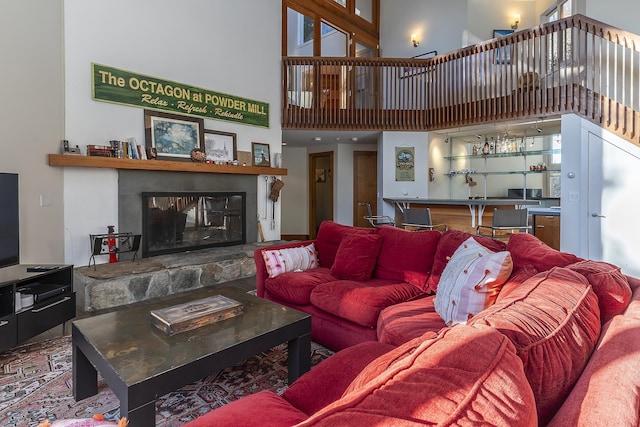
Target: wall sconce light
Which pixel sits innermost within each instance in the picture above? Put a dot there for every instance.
(516, 21)
(414, 40)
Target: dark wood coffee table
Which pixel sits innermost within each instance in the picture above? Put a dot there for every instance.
(140, 363)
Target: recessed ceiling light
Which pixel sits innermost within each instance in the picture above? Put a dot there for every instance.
(354, 139)
(317, 138)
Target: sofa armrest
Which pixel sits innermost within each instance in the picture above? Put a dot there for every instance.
(261, 269)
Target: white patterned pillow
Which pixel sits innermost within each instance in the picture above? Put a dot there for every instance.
(280, 261)
(471, 281)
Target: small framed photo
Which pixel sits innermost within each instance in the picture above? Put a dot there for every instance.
(220, 147)
(260, 154)
(503, 54)
(173, 136)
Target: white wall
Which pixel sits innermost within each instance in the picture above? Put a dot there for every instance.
(295, 193)
(619, 13)
(484, 16)
(229, 47)
(439, 148)
(440, 26)
(447, 26)
(31, 118)
(418, 188)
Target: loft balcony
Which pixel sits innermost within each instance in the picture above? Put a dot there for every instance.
(575, 65)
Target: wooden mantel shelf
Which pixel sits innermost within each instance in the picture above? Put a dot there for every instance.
(158, 165)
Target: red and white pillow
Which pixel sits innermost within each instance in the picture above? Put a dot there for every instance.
(278, 261)
(96, 421)
(471, 281)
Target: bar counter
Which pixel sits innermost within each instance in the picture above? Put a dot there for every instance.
(476, 206)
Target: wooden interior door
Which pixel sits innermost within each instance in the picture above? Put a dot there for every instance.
(365, 185)
(320, 190)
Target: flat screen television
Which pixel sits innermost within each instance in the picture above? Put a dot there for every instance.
(9, 220)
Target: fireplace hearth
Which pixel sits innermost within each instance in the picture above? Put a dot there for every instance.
(189, 220)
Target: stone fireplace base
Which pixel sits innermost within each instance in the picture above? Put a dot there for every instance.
(126, 282)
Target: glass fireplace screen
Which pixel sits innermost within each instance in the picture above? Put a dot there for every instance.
(183, 221)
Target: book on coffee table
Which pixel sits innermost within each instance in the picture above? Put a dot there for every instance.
(194, 314)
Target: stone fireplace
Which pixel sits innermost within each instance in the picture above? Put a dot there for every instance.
(216, 208)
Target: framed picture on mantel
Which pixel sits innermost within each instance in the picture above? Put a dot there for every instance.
(173, 136)
(220, 146)
(260, 154)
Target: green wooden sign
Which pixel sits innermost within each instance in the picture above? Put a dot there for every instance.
(137, 90)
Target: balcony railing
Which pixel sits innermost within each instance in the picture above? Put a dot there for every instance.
(576, 65)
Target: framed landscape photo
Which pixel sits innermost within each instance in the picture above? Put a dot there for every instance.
(173, 136)
(260, 154)
(220, 147)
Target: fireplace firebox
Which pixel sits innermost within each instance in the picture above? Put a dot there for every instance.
(183, 221)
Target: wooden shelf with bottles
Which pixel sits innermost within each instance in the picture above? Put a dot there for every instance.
(158, 165)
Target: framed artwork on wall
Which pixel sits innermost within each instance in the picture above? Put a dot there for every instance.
(503, 54)
(220, 147)
(405, 158)
(171, 136)
(260, 154)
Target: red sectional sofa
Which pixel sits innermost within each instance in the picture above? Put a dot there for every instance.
(559, 345)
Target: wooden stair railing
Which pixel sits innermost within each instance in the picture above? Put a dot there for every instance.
(575, 65)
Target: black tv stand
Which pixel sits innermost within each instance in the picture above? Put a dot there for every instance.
(54, 301)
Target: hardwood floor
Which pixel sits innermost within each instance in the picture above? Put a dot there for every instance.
(247, 284)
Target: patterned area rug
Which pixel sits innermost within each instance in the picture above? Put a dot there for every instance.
(35, 384)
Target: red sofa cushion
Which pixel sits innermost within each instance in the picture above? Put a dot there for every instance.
(386, 361)
(330, 235)
(264, 408)
(554, 322)
(518, 277)
(356, 257)
(447, 245)
(361, 302)
(609, 284)
(332, 376)
(527, 249)
(296, 287)
(463, 376)
(403, 322)
(607, 391)
(406, 255)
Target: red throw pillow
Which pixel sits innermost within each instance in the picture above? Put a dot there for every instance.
(356, 257)
(608, 283)
(329, 237)
(406, 255)
(449, 242)
(527, 249)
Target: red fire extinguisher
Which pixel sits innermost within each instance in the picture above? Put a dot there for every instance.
(113, 257)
